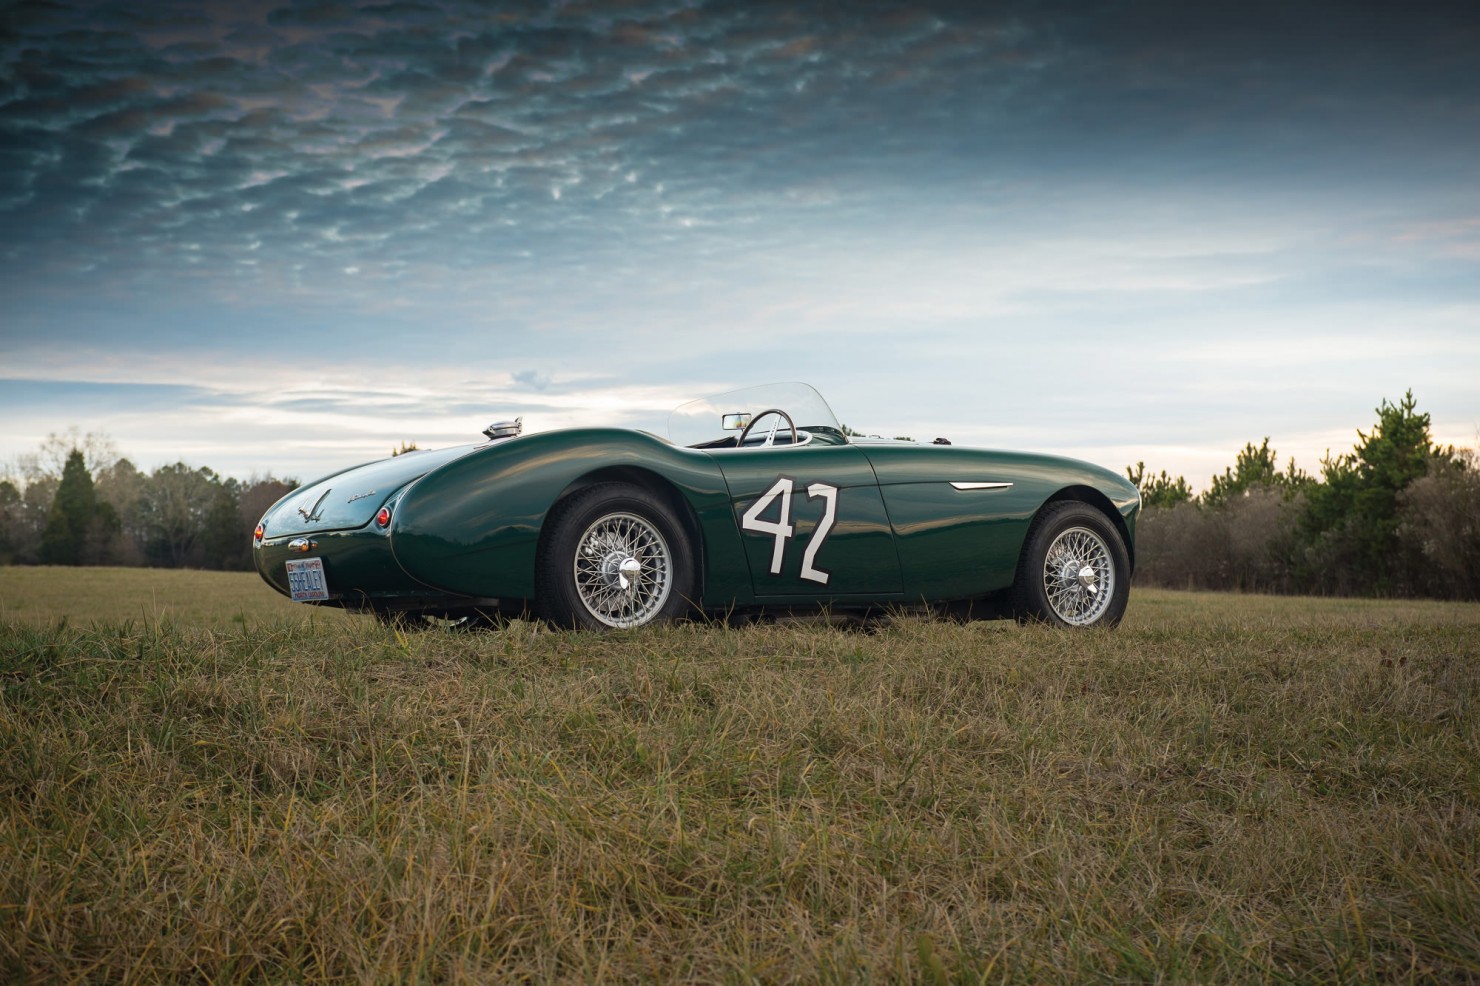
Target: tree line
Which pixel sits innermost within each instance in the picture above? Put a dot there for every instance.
(1396, 516)
(76, 502)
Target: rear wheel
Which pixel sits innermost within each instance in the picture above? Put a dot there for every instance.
(615, 556)
(1074, 571)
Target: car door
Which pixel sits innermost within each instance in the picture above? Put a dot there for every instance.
(812, 522)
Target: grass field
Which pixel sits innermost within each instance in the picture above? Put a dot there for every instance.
(153, 595)
(1228, 788)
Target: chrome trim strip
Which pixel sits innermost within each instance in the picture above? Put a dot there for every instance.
(981, 486)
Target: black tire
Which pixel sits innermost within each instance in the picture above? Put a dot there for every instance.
(614, 556)
(1071, 553)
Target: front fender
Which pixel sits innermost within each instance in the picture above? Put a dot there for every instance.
(957, 543)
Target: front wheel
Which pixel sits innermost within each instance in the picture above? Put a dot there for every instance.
(615, 556)
(1074, 571)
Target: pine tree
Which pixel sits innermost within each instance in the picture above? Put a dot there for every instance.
(1255, 466)
(11, 505)
(1351, 519)
(1162, 490)
(73, 517)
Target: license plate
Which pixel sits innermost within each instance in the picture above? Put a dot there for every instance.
(306, 580)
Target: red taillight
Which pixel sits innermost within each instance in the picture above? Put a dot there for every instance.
(257, 535)
(384, 517)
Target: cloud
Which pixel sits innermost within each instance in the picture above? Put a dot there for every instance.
(533, 379)
(448, 122)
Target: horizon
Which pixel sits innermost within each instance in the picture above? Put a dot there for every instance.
(90, 444)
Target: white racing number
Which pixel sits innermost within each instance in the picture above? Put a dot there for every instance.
(782, 528)
(779, 529)
(829, 516)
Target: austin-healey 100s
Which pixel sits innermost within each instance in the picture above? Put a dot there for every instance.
(758, 501)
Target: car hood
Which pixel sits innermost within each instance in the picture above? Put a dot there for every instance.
(350, 499)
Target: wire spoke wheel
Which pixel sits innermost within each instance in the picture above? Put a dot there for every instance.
(1078, 576)
(623, 570)
(615, 555)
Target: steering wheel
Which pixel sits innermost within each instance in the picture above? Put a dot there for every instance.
(771, 438)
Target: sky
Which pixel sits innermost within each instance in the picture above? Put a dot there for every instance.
(285, 237)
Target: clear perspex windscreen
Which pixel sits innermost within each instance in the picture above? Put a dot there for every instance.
(706, 419)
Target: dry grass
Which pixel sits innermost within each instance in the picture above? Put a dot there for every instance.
(1228, 788)
(42, 594)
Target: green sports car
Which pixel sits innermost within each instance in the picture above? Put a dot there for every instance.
(759, 501)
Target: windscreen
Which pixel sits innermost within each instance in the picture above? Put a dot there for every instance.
(723, 416)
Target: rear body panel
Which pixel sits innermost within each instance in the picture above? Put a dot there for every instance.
(350, 499)
(359, 566)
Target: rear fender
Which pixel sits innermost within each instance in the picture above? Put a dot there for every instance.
(659, 487)
(474, 525)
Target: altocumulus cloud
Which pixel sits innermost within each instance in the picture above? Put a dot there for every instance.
(290, 139)
(142, 139)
